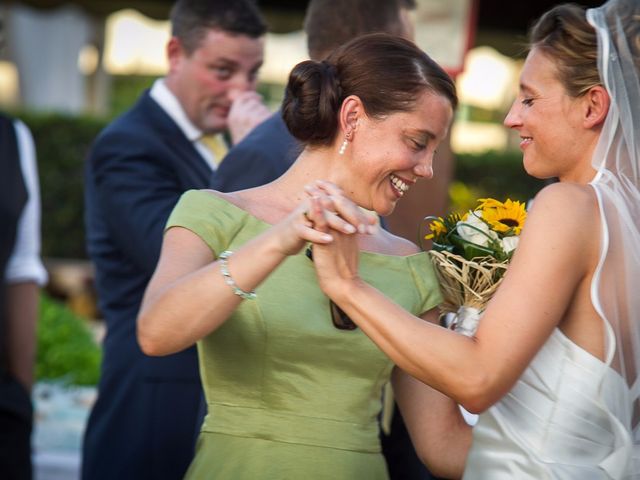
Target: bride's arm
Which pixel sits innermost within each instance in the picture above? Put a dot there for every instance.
(557, 251)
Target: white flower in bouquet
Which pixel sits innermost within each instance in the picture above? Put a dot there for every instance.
(509, 244)
(473, 229)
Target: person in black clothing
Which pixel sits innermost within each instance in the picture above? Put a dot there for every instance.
(21, 272)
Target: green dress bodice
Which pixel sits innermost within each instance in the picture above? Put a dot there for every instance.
(288, 394)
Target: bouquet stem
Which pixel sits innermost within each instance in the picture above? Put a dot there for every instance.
(465, 321)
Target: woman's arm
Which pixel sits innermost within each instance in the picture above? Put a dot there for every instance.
(438, 431)
(188, 297)
(558, 250)
(20, 330)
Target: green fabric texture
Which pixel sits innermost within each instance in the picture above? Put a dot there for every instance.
(288, 394)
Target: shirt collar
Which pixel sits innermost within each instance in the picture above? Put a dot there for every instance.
(170, 104)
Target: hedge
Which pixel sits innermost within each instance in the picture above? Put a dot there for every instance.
(62, 143)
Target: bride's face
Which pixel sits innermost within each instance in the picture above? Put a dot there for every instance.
(548, 120)
(390, 154)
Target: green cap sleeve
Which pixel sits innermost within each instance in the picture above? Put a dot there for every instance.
(425, 279)
(213, 219)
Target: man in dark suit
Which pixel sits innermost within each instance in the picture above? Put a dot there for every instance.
(269, 150)
(148, 412)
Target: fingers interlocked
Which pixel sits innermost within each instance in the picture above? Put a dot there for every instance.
(339, 212)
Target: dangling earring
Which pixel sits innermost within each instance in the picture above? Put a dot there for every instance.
(343, 147)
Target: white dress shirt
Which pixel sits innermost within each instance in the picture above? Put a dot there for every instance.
(25, 263)
(170, 104)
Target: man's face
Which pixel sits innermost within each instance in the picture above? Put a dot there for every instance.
(210, 78)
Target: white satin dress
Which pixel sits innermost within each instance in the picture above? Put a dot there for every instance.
(551, 425)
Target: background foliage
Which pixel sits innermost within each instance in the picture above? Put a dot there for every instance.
(491, 174)
(67, 350)
(62, 143)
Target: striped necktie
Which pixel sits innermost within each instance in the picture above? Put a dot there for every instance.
(216, 145)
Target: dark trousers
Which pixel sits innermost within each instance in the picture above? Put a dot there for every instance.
(402, 461)
(16, 421)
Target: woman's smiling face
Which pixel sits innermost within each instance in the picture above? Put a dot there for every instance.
(548, 120)
(390, 154)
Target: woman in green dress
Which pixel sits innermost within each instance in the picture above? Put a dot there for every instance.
(292, 390)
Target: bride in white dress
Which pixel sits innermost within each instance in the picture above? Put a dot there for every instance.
(553, 365)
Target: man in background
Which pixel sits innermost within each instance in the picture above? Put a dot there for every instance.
(269, 150)
(148, 411)
(21, 274)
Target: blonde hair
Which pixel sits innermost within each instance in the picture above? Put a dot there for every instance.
(564, 35)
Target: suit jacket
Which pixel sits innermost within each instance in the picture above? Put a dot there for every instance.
(261, 157)
(148, 410)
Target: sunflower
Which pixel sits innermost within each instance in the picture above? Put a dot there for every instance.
(440, 226)
(503, 217)
(437, 228)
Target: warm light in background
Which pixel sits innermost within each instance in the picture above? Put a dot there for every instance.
(88, 59)
(282, 52)
(473, 137)
(135, 44)
(488, 79)
(9, 93)
(488, 82)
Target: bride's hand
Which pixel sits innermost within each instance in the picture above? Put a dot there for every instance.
(335, 203)
(311, 222)
(337, 262)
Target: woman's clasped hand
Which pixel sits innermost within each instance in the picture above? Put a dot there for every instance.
(337, 257)
(325, 212)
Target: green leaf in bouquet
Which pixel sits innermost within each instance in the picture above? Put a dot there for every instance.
(470, 250)
(440, 247)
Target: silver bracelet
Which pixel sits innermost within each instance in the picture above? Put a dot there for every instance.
(224, 269)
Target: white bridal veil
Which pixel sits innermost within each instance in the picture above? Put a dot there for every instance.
(616, 288)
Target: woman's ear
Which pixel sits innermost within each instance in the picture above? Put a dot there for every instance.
(351, 112)
(597, 103)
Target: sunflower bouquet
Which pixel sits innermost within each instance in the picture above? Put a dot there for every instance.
(470, 253)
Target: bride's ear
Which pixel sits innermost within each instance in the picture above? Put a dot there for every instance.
(597, 103)
(351, 111)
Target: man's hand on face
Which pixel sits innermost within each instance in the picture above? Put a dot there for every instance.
(247, 111)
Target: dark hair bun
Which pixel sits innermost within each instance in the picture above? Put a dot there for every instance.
(311, 102)
(387, 74)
